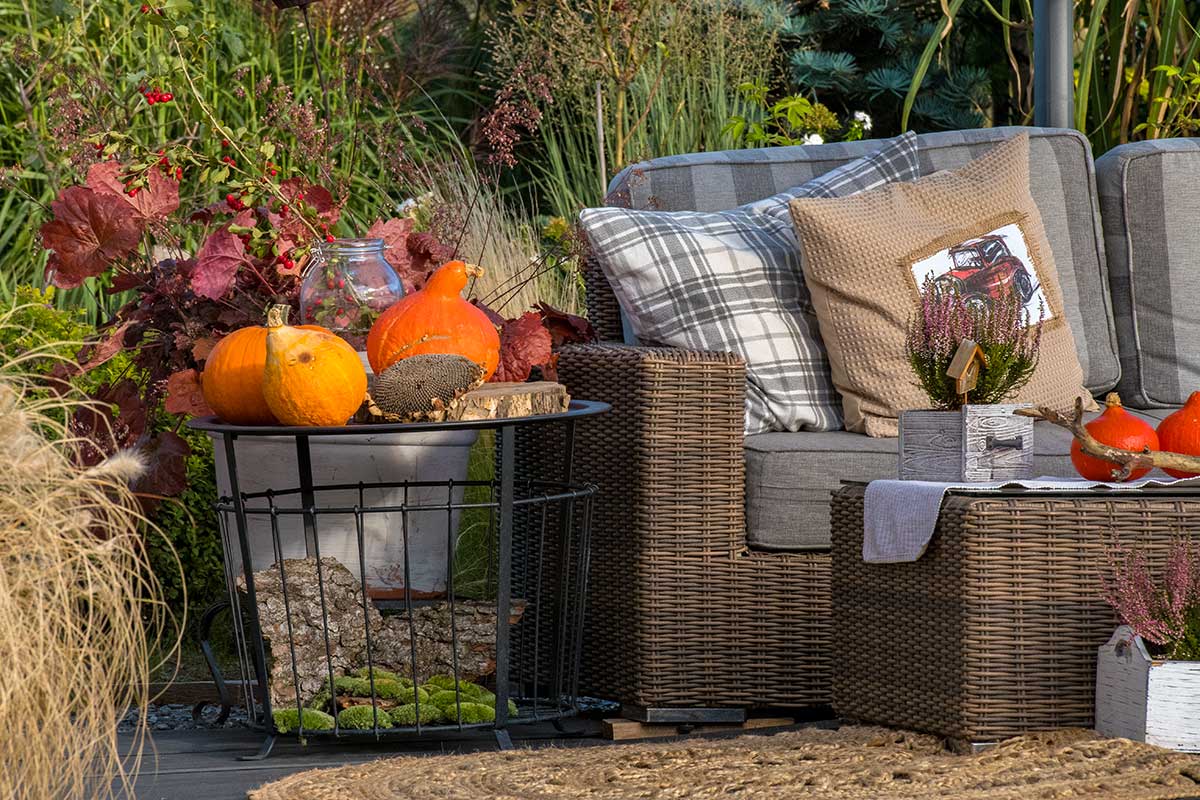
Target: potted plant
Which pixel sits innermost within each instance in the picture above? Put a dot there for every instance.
(969, 355)
(1148, 673)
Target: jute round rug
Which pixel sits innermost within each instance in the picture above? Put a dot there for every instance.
(853, 762)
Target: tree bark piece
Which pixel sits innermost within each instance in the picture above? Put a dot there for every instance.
(1127, 461)
(492, 401)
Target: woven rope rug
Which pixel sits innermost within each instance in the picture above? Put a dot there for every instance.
(853, 762)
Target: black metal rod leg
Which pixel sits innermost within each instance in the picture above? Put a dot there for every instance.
(264, 750)
(258, 648)
(503, 740)
(213, 667)
(505, 434)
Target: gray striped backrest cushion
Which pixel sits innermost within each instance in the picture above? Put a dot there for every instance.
(1150, 202)
(1062, 182)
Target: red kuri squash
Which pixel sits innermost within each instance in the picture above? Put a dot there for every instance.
(436, 319)
(1180, 433)
(1116, 427)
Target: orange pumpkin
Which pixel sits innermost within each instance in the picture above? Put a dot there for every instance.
(436, 320)
(312, 377)
(1180, 433)
(1116, 427)
(233, 374)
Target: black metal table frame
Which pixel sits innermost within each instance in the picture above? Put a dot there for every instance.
(505, 430)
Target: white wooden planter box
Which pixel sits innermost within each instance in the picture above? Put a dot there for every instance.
(1147, 699)
(978, 443)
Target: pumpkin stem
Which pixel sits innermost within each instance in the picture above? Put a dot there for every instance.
(277, 315)
(1112, 399)
(474, 270)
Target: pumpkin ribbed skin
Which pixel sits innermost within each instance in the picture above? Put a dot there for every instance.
(1180, 433)
(312, 377)
(435, 320)
(233, 376)
(1116, 427)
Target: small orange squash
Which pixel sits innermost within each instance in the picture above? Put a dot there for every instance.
(1116, 427)
(233, 375)
(436, 320)
(1180, 433)
(312, 377)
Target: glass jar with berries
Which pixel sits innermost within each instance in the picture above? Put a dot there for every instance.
(346, 285)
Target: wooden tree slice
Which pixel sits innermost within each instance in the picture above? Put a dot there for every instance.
(493, 401)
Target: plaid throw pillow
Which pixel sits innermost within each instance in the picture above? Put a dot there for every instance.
(731, 281)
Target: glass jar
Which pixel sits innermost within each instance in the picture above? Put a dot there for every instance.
(346, 285)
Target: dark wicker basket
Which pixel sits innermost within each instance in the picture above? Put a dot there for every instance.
(994, 630)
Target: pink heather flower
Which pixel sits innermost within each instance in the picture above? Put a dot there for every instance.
(1158, 613)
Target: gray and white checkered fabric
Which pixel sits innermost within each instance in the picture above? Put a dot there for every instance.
(731, 281)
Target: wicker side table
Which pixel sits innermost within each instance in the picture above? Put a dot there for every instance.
(994, 631)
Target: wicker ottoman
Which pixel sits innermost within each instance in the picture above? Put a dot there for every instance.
(994, 630)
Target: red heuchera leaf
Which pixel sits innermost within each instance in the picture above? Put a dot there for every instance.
(395, 233)
(496, 319)
(318, 197)
(166, 458)
(524, 344)
(184, 395)
(566, 328)
(202, 347)
(217, 263)
(157, 200)
(89, 232)
(428, 253)
(96, 354)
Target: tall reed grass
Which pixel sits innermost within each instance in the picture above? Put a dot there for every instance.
(79, 607)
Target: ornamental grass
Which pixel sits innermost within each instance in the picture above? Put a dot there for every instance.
(78, 602)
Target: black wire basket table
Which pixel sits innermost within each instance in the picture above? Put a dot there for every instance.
(322, 653)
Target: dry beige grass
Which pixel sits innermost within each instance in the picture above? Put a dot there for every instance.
(77, 603)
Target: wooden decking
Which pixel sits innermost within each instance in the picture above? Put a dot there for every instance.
(204, 765)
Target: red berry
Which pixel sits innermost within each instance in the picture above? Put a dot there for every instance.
(342, 284)
(274, 172)
(150, 99)
(162, 152)
(224, 143)
(231, 198)
(329, 237)
(142, 89)
(341, 311)
(133, 192)
(168, 97)
(179, 173)
(145, 8)
(329, 283)
(99, 145)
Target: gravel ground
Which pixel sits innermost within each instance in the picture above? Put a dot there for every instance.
(178, 716)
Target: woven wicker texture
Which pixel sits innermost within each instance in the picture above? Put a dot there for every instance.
(848, 763)
(604, 312)
(994, 630)
(858, 256)
(679, 612)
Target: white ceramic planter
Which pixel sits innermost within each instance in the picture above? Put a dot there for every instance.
(1146, 699)
(267, 462)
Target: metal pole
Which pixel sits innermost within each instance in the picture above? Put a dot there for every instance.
(1053, 64)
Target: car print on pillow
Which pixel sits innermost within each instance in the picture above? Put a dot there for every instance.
(987, 268)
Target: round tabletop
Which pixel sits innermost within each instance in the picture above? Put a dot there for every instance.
(576, 410)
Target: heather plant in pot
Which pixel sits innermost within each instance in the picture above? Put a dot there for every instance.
(1148, 673)
(969, 355)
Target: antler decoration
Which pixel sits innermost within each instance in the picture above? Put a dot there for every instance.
(1128, 460)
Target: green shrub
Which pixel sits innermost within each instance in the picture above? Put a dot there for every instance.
(289, 719)
(362, 718)
(33, 324)
(407, 714)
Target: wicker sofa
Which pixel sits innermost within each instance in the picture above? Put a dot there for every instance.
(710, 582)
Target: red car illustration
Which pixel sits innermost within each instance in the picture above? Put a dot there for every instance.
(985, 270)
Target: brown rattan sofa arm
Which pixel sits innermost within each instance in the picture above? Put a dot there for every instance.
(668, 458)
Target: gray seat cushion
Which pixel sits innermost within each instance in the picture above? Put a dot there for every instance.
(1064, 188)
(1150, 200)
(789, 477)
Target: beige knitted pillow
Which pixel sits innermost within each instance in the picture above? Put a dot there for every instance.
(866, 256)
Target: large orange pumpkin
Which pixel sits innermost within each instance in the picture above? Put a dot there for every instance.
(233, 375)
(436, 320)
(1116, 427)
(1180, 433)
(312, 377)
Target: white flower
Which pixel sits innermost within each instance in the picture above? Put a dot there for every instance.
(407, 206)
(864, 118)
(813, 138)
